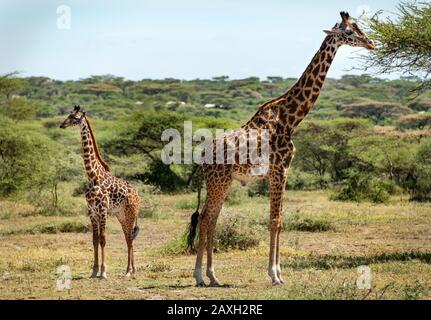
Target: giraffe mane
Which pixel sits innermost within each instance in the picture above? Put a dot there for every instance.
(96, 147)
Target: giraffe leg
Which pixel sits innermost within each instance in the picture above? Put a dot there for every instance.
(127, 229)
(203, 226)
(216, 200)
(214, 282)
(128, 236)
(95, 226)
(277, 186)
(130, 271)
(102, 239)
(130, 218)
(278, 262)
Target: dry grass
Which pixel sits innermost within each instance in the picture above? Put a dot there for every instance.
(393, 239)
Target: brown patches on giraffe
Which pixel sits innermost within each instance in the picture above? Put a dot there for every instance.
(105, 193)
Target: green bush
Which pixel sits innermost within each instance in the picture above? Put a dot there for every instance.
(236, 231)
(51, 228)
(161, 176)
(237, 194)
(186, 204)
(176, 246)
(23, 161)
(300, 222)
(259, 188)
(233, 231)
(150, 207)
(363, 187)
(19, 109)
(80, 189)
(300, 180)
(419, 182)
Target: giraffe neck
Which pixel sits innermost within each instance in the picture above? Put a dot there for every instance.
(93, 167)
(304, 93)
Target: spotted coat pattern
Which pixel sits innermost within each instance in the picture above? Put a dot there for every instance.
(105, 193)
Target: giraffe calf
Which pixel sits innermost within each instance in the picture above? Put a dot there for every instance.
(105, 193)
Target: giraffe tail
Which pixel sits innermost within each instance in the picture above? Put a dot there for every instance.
(191, 234)
(136, 229)
(135, 232)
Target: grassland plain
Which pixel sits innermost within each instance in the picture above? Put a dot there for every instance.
(393, 239)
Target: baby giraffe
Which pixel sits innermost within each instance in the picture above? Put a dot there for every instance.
(105, 192)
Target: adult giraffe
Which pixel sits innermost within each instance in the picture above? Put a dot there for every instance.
(279, 117)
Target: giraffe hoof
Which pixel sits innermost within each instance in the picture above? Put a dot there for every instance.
(215, 284)
(104, 276)
(277, 283)
(201, 284)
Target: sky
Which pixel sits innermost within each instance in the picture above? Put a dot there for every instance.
(184, 39)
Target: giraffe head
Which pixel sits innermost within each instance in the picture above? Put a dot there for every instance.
(74, 119)
(348, 32)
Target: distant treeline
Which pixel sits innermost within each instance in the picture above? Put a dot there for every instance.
(366, 138)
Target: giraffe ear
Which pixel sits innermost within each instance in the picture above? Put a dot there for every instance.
(332, 32)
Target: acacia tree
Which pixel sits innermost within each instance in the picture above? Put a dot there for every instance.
(404, 42)
(9, 84)
(375, 111)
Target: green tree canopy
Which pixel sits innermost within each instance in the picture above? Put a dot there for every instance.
(404, 43)
(10, 84)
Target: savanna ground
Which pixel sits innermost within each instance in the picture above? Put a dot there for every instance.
(320, 252)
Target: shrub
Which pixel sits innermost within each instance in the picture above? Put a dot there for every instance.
(300, 222)
(375, 110)
(161, 176)
(19, 109)
(176, 246)
(300, 180)
(70, 227)
(237, 194)
(419, 182)
(51, 228)
(416, 121)
(235, 231)
(259, 188)
(363, 187)
(186, 204)
(23, 158)
(80, 189)
(150, 207)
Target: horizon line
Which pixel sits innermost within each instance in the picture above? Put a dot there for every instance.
(229, 78)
